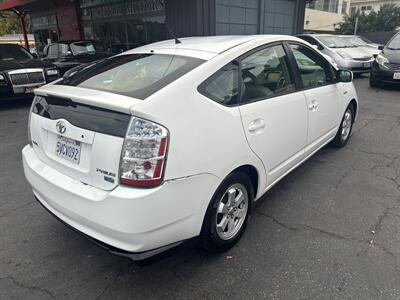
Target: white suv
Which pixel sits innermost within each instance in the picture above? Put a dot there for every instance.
(171, 141)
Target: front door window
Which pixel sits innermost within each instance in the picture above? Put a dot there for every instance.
(314, 70)
(265, 74)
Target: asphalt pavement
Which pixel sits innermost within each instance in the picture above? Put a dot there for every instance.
(329, 230)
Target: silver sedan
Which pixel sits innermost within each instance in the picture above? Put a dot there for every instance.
(344, 53)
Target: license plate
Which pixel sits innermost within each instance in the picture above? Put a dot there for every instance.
(367, 65)
(68, 149)
(396, 76)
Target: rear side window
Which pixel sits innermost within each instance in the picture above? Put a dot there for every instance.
(63, 49)
(222, 86)
(52, 51)
(134, 75)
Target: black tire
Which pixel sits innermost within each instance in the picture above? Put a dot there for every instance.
(209, 238)
(339, 141)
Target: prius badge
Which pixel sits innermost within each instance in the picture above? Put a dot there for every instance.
(60, 126)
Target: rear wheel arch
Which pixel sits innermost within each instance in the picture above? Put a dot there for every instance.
(217, 218)
(253, 175)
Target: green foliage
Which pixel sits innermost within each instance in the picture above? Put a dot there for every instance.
(386, 19)
(9, 23)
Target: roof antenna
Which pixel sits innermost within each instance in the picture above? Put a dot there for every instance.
(173, 34)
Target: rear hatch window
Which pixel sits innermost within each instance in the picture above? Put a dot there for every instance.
(134, 75)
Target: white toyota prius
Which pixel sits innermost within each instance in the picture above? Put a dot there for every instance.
(177, 139)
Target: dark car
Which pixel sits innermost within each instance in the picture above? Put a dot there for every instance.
(386, 67)
(21, 72)
(69, 54)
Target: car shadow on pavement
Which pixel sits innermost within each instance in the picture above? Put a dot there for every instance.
(13, 104)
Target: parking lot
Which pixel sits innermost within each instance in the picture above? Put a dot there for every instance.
(330, 230)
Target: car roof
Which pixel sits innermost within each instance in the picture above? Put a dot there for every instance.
(213, 45)
(72, 41)
(316, 34)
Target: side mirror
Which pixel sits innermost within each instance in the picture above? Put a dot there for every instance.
(381, 47)
(345, 76)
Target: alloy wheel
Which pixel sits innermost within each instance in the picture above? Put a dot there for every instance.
(232, 211)
(346, 125)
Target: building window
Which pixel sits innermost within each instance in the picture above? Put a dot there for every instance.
(366, 8)
(324, 5)
(311, 4)
(344, 7)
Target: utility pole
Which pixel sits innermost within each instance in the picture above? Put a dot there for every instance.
(21, 16)
(24, 31)
(356, 26)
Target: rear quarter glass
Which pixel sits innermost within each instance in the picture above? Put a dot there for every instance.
(133, 75)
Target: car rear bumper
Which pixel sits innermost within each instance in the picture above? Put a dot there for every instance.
(125, 220)
(136, 256)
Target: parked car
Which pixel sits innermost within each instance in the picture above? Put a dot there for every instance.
(21, 72)
(369, 42)
(360, 43)
(386, 67)
(169, 141)
(69, 54)
(345, 54)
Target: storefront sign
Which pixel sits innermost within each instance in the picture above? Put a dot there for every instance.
(126, 8)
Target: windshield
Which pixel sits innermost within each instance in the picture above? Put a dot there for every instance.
(335, 42)
(134, 75)
(394, 44)
(365, 40)
(355, 40)
(83, 47)
(13, 52)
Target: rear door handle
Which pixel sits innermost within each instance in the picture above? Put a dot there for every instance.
(256, 126)
(313, 106)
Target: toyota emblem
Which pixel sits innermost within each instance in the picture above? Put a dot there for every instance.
(60, 126)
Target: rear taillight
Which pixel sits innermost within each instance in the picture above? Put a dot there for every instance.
(143, 154)
(29, 121)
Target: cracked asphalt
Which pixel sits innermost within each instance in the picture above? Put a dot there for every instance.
(329, 230)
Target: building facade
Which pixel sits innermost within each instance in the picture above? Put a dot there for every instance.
(367, 6)
(324, 15)
(136, 22)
